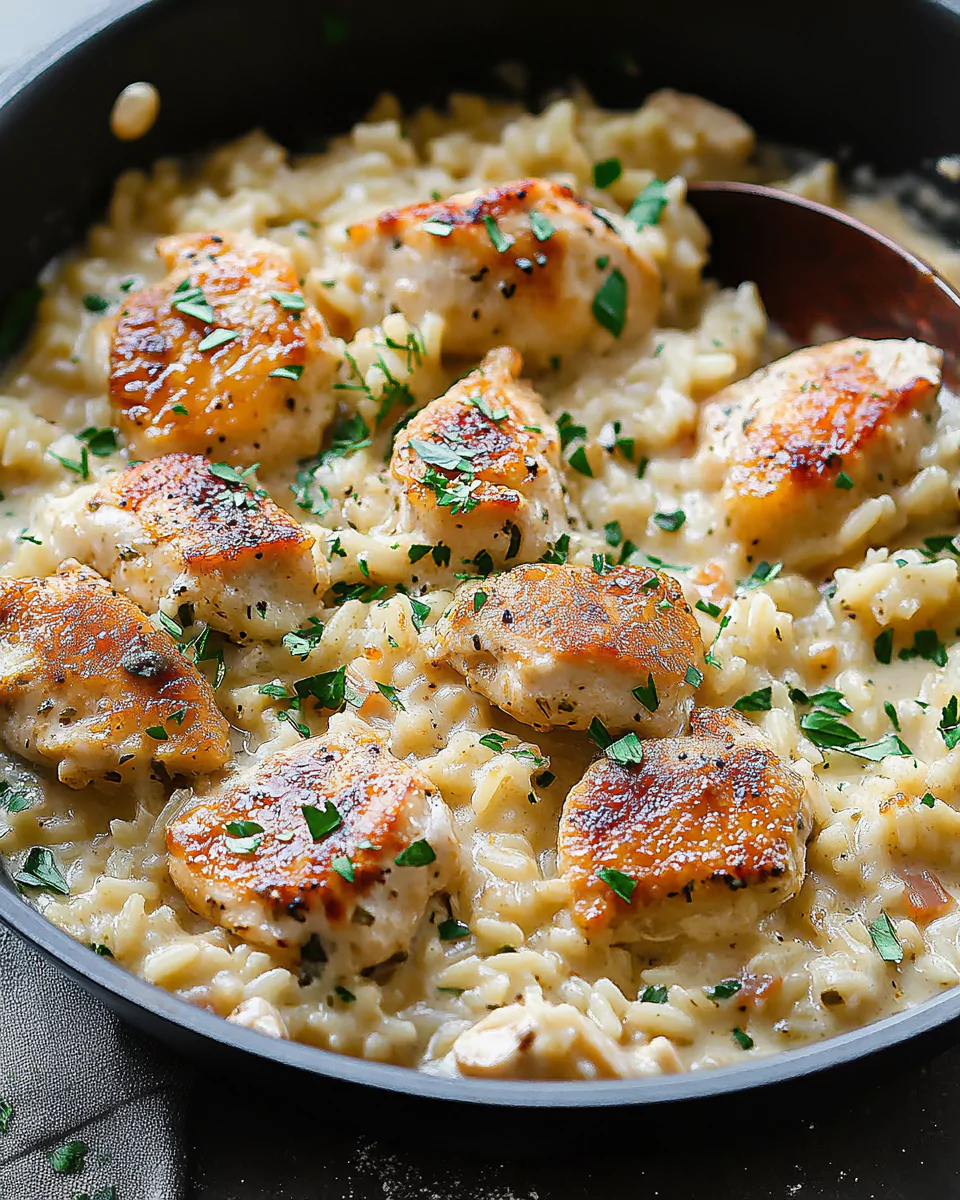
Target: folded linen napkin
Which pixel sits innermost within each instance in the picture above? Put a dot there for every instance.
(88, 1108)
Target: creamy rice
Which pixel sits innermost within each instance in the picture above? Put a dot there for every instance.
(811, 969)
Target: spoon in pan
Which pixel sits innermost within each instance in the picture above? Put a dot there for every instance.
(815, 266)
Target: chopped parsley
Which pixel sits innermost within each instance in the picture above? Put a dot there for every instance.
(743, 1040)
(289, 301)
(579, 461)
(291, 371)
(12, 801)
(625, 750)
(418, 612)
(494, 742)
(647, 694)
(949, 725)
(649, 205)
(329, 689)
(758, 701)
(762, 573)
(670, 522)
(95, 303)
(557, 551)
(542, 228)
(69, 1158)
(417, 854)
(829, 698)
(654, 993)
(843, 482)
(479, 600)
(693, 676)
(827, 732)
(597, 732)
(606, 172)
(883, 646)
(926, 645)
(344, 994)
(343, 865)
(888, 746)
(501, 241)
(618, 882)
(722, 990)
(81, 467)
(157, 732)
(301, 642)
(41, 870)
(928, 800)
(219, 337)
(610, 303)
(892, 715)
(191, 302)
(885, 940)
(452, 930)
(613, 533)
(321, 822)
(708, 607)
(244, 837)
(437, 227)
(100, 442)
(391, 694)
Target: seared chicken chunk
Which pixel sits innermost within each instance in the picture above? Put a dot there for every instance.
(89, 685)
(808, 438)
(710, 831)
(223, 357)
(176, 528)
(537, 1040)
(520, 263)
(303, 848)
(479, 468)
(560, 645)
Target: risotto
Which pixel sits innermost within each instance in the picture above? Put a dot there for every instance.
(439, 628)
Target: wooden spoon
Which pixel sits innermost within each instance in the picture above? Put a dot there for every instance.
(816, 266)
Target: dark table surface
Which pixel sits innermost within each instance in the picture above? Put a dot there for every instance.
(889, 1129)
(884, 1132)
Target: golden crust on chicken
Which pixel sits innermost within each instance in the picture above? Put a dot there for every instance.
(223, 357)
(520, 263)
(183, 529)
(807, 438)
(559, 645)
(505, 495)
(89, 685)
(332, 815)
(708, 831)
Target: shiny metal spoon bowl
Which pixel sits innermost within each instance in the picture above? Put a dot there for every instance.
(815, 266)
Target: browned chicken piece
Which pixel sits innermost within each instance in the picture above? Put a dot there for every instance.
(561, 645)
(304, 848)
(223, 357)
(181, 529)
(521, 263)
(479, 468)
(805, 440)
(89, 685)
(706, 835)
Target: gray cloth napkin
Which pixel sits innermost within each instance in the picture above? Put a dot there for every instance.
(73, 1073)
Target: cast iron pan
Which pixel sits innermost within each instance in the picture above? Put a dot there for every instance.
(865, 81)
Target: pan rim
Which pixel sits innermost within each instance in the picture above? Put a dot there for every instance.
(105, 976)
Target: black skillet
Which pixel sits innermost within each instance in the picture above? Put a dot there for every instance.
(855, 78)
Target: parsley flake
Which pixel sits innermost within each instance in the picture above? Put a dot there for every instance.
(606, 172)
(758, 701)
(41, 870)
(610, 303)
(417, 854)
(885, 940)
(321, 822)
(618, 882)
